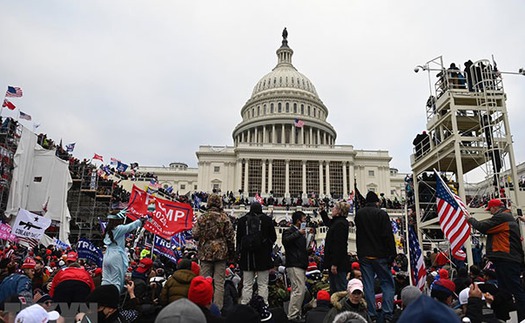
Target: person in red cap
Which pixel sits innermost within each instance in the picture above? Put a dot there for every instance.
(322, 307)
(443, 290)
(504, 249)
(201, 293)
(73, 283)
(19, 284)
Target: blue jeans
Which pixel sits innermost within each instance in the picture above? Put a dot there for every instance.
(508, 274)
(337, 282)
(380, 267)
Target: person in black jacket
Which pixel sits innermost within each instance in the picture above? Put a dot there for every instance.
(259, 260)
(376, 250)
(294, 242)
(336, 246)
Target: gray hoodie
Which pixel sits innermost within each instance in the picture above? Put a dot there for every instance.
(181, 311)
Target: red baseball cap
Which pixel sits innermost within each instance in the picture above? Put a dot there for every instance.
(144, 265)
(72, 256)
(494, 203)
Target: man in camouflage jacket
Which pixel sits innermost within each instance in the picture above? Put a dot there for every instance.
(216, 244)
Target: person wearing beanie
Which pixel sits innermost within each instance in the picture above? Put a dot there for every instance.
(178, 285)
(376, 250)
(216, 244)
(504, 249)
(294, 242)
(116, 261)
(182, 311)
(336, 245)
(107, 298)
(257, 227)
(350, 300)
(319, 312)
(19, 284)
(409, 294)
(443, 290)
(201, 293)
(428, 310)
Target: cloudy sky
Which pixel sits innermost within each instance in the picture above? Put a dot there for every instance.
(150, 81)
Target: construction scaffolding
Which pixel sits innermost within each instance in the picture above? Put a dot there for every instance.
(467, 129)
(10, 134)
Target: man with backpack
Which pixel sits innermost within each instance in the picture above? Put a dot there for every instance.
(255, 239)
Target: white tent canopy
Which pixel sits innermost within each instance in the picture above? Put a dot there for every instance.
(40, 177)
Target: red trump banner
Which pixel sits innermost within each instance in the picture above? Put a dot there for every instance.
(167, 219)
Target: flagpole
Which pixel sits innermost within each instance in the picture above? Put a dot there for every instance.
(153, 245)
(407, 244)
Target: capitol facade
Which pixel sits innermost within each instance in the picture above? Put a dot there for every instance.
(284, 146)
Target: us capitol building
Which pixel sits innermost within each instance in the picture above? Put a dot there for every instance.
(284, 146)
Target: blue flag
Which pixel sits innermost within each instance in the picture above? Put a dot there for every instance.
(121, 167)
(87, 250)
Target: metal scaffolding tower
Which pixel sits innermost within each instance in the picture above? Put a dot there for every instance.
(467, 129)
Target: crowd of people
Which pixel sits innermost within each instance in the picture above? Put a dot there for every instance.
(236, 273)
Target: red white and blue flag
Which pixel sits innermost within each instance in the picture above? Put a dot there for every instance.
(259, 199)
(419, 272)
(25, 116)
(70, 147)
(8, 104)
(451, 214)
(13, 92)
(298, 123)
(99, 157)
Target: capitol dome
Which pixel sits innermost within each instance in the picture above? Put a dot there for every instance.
(282, 101)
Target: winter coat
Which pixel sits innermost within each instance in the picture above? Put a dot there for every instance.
(374, 237)
(295, 248)
(503, 236)
(16, 284)
(336, 243)
(260, 259)
(341, 304)
(317, 314)
(215, 235)
(177, 286)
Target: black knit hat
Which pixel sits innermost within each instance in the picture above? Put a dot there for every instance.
(105, 295)
(256, 208)
(371, 197)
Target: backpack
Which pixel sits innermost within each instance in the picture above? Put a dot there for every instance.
(252, 240)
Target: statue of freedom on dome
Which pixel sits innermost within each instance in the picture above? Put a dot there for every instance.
(285, 34)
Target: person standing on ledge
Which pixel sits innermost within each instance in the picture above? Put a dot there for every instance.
(376, 249)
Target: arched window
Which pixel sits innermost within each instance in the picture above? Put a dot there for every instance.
(294, 107)
(287, 107)
(308, 110)
(258, 110)
(302, 108)
(279, 108)
(264, 109)
(271, 108)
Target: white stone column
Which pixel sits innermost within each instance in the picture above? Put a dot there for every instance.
(305, 194)
(292, 135)
(245, 186)
(282, 134)
(287, 179)
(324, 138)
(263, 179)
(302, 135)
(311, 136)
(328, 192)
(274, 136)
(345, 182)
(321, 192)
(238, 176)
(318, 136)
(270, 171)
(256, 137)
(264, 135)
(242, 136)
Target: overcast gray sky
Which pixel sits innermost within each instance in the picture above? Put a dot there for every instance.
(150, 81)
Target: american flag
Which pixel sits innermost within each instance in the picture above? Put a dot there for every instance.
(298, 123)
(419, 273)
(13, 92)
(451, 213)
(25, 116)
